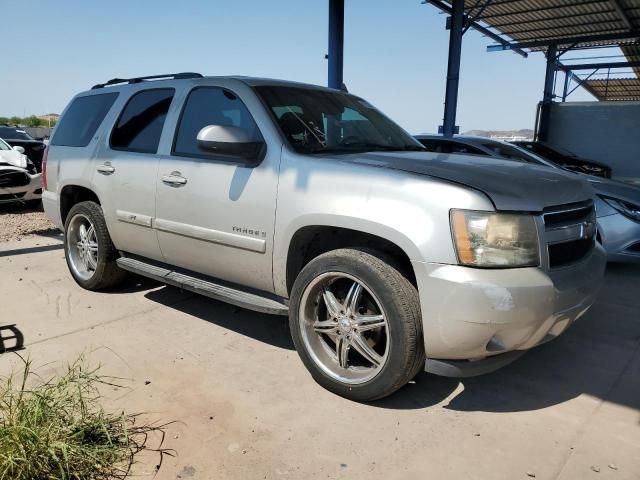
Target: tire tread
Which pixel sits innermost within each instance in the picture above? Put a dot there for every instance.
(407, 300)
(108, 274)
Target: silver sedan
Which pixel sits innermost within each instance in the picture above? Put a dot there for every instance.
(617, 203)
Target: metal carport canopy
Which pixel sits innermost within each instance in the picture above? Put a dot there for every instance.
(552, 26)
(536, 24)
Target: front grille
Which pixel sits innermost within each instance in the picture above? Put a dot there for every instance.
(10, 179)
(570, 233)
(569, 216)
(561, 254)
(12, 196)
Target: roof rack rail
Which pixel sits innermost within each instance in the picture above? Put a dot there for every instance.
(177, 76)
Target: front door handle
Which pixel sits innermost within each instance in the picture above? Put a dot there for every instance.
(106, 168)
(174, 179)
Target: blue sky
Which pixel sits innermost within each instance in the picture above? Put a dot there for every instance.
(395, 54)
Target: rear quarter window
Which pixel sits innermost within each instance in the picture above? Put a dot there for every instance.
(141, 122)
(82, 119)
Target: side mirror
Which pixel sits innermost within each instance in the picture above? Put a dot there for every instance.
(230, 141)
(19, 149)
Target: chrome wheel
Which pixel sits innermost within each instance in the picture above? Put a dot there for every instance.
(344, 328)
(82, 246)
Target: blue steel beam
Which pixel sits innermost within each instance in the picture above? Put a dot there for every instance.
(453, 67)
(590, 66)
(476, 26)
(336, 43)
(547, 98)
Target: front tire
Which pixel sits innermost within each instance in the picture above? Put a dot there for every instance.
(356, 324)
(90, 254)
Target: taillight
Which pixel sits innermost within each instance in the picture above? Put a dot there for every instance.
(44, 168)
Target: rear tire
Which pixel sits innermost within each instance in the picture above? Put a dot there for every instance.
(89, 251)
(361, 342)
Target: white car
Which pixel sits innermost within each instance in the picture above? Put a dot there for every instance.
(19, 181)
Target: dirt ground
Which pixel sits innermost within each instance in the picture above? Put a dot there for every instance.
(18, 221)
(245, 408)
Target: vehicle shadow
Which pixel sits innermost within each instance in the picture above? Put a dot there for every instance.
(136, 283)
(270, 329)
(590, 358)
(29, 250)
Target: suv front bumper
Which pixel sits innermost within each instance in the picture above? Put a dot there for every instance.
(23, 193)
(473, 314)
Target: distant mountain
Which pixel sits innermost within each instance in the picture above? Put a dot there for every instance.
(524, 133)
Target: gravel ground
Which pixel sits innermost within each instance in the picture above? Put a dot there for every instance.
(18, 221)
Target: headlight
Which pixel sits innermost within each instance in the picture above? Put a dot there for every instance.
(627, 209)
(494, 240)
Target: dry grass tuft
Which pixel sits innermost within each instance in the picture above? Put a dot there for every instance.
(56, 428)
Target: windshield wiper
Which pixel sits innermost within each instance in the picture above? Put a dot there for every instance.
(368, 147)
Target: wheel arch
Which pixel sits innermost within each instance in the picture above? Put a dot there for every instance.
(309, 241)
(72, 194)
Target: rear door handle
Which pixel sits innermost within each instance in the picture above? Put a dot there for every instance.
(105, 169)
(174, 179)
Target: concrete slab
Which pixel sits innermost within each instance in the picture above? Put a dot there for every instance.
(245, 407)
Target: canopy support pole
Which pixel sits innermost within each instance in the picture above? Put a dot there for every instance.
(336, 43)
(453, 67)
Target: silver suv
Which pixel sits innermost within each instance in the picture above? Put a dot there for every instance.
(299, 200)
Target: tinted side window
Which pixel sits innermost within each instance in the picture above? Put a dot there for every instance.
(210, 106)
(140, 124)
(82, 119)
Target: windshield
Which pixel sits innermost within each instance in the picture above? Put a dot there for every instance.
(322, 121)
(511, 152)
(4, 145)
(14, 134)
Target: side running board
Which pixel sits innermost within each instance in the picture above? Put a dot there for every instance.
(240, 298)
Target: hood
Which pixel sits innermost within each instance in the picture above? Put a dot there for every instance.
(615, 189)
(13, 158)
(510, 185)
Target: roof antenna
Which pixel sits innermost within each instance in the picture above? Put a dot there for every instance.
(343, 87)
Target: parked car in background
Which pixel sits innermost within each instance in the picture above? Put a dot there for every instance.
(17, 137)
(565, 159)
(617, 203)
(19, 180)
(304, 201)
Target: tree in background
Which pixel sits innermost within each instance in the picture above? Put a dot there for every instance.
(33, 121)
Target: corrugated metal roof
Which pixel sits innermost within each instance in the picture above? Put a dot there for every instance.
(618, 89)
(540, 21)
(525, 20)
(632, 52)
